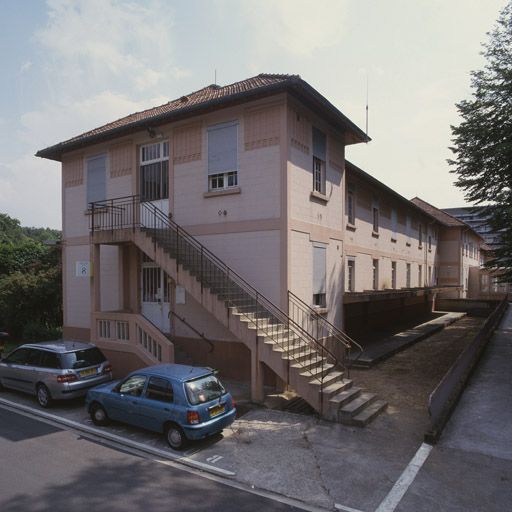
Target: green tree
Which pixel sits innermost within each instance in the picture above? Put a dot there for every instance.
(482, 143)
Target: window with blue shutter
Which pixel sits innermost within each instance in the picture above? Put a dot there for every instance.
(319, 275)
(223, 156)
(96, 179)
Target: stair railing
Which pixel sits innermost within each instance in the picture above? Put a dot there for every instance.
(327, 334)
(267, 318)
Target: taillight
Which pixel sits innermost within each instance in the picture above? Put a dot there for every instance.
(107, 368)
(233, 403)
(192, 417)
(69, 377)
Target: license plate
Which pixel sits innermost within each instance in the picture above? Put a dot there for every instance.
(218, 409)
(86, 373)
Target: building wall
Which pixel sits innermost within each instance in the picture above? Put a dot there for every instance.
(363, 244)
(313, 218)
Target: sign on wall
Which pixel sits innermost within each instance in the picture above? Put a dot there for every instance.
(83, 269)
(180, 294)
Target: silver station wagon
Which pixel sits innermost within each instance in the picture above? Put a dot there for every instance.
(54, 370)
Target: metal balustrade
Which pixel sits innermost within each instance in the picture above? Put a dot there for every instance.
(301, 343)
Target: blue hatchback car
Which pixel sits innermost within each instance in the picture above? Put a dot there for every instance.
(183, 402)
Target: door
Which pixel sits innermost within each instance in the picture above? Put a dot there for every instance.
(122, 405)
(157, 407)
(155, 295)
(154, 179)
(19, 370)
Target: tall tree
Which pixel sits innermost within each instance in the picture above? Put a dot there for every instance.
(483, 140)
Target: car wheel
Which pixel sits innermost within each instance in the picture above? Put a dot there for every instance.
(43, 396)
(98, 415)
(175, 437)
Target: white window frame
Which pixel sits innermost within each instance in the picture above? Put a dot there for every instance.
(393, 274)
(319, 299)
(155, 157)
(227, 179)
(319, 167)
(408, 275)
(375, 274)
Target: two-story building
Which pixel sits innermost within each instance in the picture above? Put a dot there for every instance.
(213, 225)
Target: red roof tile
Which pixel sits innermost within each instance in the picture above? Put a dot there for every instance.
(212, 96)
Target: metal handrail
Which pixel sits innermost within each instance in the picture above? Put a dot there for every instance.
(192, 328)
(343, 337)
(225, 280)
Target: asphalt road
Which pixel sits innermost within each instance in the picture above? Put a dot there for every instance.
(44, 468)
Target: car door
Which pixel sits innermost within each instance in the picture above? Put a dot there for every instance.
(32, 370)
(157, 405)
(13, 370)
(122, 403)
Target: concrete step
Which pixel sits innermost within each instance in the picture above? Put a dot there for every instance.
(337, 387)
(354, 407)
(332, 377)
(310, 363)
(346, 396)
(369, 413)
(317, 372)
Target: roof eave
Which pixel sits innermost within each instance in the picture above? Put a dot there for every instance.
(293, 85)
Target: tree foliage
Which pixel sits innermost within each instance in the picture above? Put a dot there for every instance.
(483, 140)
(30, 281)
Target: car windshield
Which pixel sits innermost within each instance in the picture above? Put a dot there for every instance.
(82, 358)
(204, 389)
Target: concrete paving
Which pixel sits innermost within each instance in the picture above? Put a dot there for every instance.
(470, 469)
(326, 464)
(383, 349)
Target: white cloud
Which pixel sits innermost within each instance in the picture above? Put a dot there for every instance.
(299, 27)
(100, 44)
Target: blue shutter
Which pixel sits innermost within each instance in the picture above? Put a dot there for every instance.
(319, 144)
(222, 148)
(96, 178)
(319, 266)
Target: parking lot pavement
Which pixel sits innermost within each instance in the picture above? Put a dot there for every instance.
(314, 461)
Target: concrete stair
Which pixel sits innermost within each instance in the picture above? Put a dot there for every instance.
(288, 352)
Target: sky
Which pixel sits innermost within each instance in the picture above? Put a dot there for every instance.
(69, 66)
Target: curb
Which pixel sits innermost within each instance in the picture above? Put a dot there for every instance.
(119, 439)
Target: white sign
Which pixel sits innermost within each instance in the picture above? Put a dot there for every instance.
(180, 295)
(82, 269)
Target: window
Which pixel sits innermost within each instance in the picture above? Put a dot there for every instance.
(319, 274)
(429, 242)
(19, 356)
(393, 274)
(50, 360)
(133, 385)
(420, 276)
(319, 159)
(204, 389)
(223, 156)
(96, 179)
(351, 206)
(408, 275)
(375, 277)
(408, 229)
(159, 389)
(154, 171)
(375, 219)
(394, 224)
(351, 271)
(429, 282)
(82, 358)
(420, 236)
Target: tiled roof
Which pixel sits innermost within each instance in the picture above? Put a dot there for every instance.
(210, 97)
(443, 217)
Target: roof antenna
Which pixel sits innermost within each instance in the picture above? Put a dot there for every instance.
(366, 107)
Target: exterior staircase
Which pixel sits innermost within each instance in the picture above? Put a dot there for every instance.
(301, 347)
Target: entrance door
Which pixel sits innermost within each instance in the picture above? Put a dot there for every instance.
(154, 175)
(155, 295)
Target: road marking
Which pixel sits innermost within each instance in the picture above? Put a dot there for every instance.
(346, 509)
(391, 501)
(115, 438)
(214, 458)
(214, 474)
